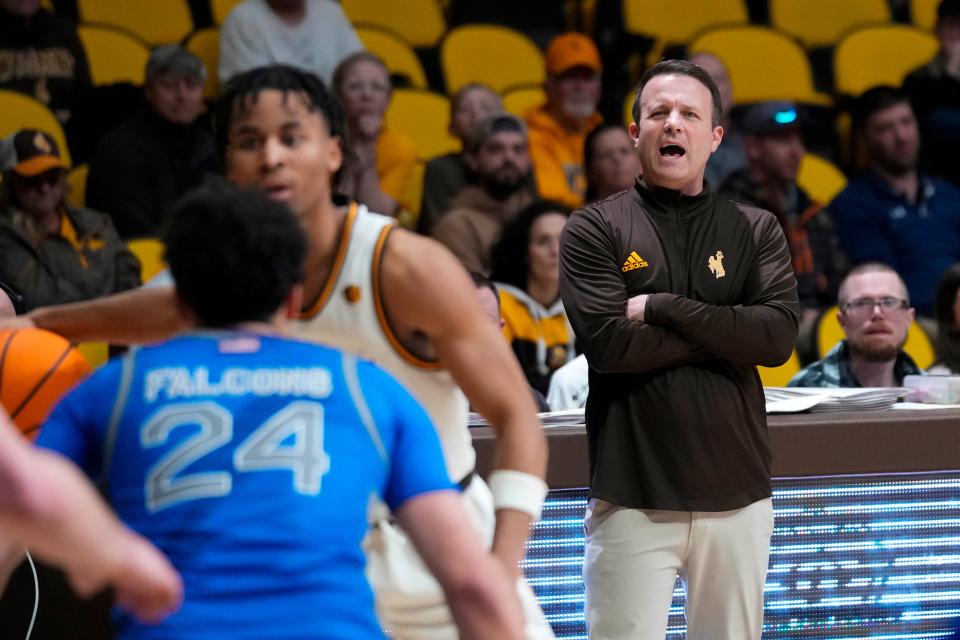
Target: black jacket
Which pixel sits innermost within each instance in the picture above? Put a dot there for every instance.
(42, 57)
(675, 416)
(142, 167)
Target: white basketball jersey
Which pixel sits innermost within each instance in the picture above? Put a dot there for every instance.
(349, 315)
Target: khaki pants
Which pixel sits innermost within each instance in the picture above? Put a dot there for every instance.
(410, 602)
(633, 557)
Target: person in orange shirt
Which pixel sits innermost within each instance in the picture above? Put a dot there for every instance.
(558, 127)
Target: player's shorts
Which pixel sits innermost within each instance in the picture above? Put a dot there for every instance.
(410, 602)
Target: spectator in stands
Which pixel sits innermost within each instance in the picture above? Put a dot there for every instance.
(559, 127)
(934, 90)
(731, 155)
(380, 163)
(143, 166)
(489, 298)
(773, 139)
(41, 56)
(446, 176)
(947, 314)
(49, 251)
(609, 161)
(892, 213)
(499, 155)
(875, 314)
(570, 385)
(526, 270)
(314, 35)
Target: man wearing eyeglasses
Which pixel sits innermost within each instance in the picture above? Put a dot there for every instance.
(875, 313)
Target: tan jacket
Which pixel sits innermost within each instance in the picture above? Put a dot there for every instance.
(474, 222)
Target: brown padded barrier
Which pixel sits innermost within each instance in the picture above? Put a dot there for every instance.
(811, 444)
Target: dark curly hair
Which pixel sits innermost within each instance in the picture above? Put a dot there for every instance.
(234, 253)
(509, 256)
(242, 91)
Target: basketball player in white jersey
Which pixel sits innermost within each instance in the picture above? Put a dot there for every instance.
(396, 298)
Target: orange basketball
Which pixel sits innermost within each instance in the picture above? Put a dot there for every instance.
(36, 368)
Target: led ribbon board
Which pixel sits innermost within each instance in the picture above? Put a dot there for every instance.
(851, 557)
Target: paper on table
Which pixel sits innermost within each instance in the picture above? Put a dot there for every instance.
(924, 405)
(569, 417)
(794, 405)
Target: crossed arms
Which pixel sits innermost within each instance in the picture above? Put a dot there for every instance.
(620, 334)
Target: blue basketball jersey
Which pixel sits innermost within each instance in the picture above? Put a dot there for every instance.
(251, 462)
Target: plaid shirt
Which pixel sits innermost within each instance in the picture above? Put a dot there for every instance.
(818, 261)
(834, 370)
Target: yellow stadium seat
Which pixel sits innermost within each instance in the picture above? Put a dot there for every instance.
(659, 19)
(820, 23)
(419, 22)
(918, 345)
(23, 112)
(220, 9)
(628, 108)
(780, 376)
(882, 54)
(153, 21)
(205, 44)
(399, 57)
(820, 178)
(77, 179)
(764, 64)
(115, 55)
(498, 56)
(149, 252)
(519, 100)
(923, 13)
(425, 117)
(96, 353)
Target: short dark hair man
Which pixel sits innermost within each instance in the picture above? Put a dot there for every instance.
(676, 295)
(499, 156)
(893, 213)
(265, 451)
(875, 314)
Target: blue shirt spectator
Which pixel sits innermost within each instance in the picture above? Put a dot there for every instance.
(892, 213)
(920, 240)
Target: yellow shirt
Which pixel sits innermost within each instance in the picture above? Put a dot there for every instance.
(541, 337)
(557, 156)
(396, 160)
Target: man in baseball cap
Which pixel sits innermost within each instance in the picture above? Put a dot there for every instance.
(31, 152)
(50, 251)
(773, 140)
(559, 127)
